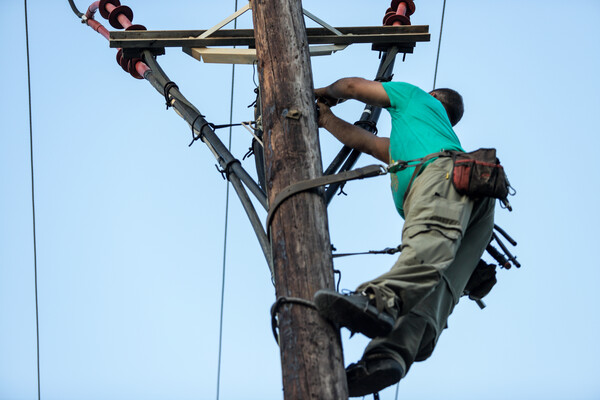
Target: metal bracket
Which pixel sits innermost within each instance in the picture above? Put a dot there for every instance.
(292, 114)
(248, 56)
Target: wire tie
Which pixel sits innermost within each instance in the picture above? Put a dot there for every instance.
(226, 172)
(337, 271)
(249, 153)
(200, 134)
(168, 86)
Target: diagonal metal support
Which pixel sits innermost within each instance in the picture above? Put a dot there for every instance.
(226, 21)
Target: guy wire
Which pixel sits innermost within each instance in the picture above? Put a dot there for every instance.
(37, 320)
(226, 228)
(437, 60)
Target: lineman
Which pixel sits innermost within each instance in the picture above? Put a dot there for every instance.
(444, 235)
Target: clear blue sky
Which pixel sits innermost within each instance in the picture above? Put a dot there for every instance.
(130, 221)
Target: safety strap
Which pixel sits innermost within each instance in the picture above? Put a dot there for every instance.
(302, 186)
(419, 167)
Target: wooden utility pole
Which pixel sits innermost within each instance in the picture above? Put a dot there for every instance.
(311, 353)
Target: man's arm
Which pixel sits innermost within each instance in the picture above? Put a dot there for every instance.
(369, 92)
(354, 136)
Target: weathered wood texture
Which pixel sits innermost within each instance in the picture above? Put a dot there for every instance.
(311, 354)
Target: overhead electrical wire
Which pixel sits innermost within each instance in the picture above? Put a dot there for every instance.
(437, 59)
(226, 228)
(75, 10)
(37, 319)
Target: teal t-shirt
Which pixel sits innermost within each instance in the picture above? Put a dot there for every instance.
(420, 126)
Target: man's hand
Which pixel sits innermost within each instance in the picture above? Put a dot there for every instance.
(323, 96)
(369, 92)
(324, 112)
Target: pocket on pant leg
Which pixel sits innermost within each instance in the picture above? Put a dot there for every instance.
(412, 232)
(447, 216)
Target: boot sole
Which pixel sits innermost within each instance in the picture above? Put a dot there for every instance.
(362, 384)
(337, 308)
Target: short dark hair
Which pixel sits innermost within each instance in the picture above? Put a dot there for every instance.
(452, 102)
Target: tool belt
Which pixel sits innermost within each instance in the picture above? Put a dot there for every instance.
(479, 174)
(476, 174)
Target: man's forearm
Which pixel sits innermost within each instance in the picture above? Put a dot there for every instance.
(358, 138)
(369, 92)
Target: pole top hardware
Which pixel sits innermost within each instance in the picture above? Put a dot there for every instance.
(324, 40)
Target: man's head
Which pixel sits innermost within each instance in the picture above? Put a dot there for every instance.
(452, 102)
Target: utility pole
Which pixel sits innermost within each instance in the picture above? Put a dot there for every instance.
(311, 353)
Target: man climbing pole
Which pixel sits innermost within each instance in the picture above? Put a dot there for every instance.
(445, 233)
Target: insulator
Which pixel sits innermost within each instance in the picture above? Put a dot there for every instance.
(401, 19)
(114, 15)
(103, 9)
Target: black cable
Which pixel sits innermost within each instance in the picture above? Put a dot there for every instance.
(75, 10)
(37, 319)
(437, 60)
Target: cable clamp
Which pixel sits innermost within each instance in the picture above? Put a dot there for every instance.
(226, 172)
(168, 86)
(370, 126)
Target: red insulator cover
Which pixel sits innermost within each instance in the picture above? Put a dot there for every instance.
(388, 15)
(136, 27)
(121, 60)
(397, 20)
(410, 6)
(114, 15)
(131, 64)
(102, 7)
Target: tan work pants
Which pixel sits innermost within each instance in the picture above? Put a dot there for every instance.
(443, 238)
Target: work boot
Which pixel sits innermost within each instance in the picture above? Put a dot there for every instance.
(355, 311)
(372, 373)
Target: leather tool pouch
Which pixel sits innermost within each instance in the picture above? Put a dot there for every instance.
(479, 174)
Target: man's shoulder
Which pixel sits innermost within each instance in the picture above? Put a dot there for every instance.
(400, 93)
(400, 85)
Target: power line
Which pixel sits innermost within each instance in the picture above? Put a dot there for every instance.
(226, 228)
(75, 10)
(37, 320)
(437, 60)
